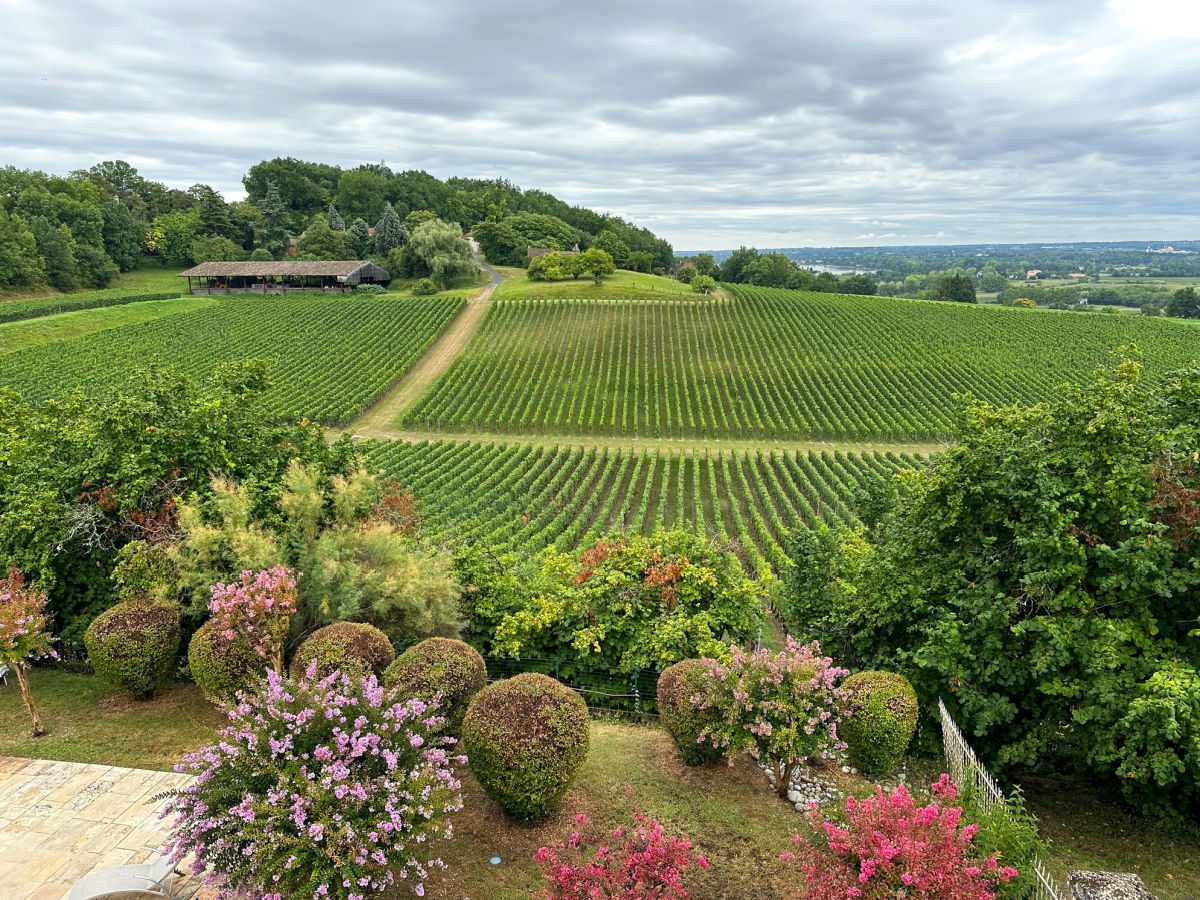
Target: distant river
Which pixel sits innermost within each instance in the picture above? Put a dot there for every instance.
(833, 270)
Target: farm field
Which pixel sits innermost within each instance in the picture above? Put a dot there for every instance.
(525, 496)
(330, 356)
(65, 326)
(768, 363)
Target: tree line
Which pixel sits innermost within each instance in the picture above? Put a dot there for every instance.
(83, 229)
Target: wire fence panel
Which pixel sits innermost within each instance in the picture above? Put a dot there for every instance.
(965, 768)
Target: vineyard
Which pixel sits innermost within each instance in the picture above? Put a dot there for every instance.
(16, 310)
(525, 497)
(330, 356)
(770, 363)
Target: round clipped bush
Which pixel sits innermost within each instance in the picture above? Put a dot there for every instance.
(676, 686)
(879, 716)
(440, 664)
(134, 645)
(424, 288)
(355, 648)
(525, 738)
(221, 667)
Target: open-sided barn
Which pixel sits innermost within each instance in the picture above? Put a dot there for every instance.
(275, 276)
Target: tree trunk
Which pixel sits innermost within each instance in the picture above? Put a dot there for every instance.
(27, 696)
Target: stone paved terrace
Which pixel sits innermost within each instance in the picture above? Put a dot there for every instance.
(60, 821)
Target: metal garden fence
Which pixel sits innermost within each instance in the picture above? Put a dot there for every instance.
(965, 768)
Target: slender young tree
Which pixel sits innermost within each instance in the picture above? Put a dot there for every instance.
(24, 635)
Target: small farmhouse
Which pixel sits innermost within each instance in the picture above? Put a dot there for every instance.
(277, 276)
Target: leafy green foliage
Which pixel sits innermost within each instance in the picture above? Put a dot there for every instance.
(221, 668)
(354, 648)
(704, 284)
(955, 288)
(685, 721)
(134, 645)
(321, 241)
(425, 287)
(879, 718)
(525, 738)
(84, 478)
(442, 251)
(451, 668)
(626, 602)
(1039, 576)
(389, 232)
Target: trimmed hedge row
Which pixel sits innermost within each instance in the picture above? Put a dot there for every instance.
(677, 685)
(525, 738)
(453, 668)
(19, 310)
(134, 644)
(879, 718)
(354, 648)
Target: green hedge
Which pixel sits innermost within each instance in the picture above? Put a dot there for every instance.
(19, 310)
(357, 649)
(221, 668)
(525, 738)
(134, 645)
(444, 665)
(676, 686)
(879, 718)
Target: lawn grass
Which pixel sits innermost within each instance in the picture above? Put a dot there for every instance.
(725, 810)
(151, 277)
(517, 284)
(30, 332)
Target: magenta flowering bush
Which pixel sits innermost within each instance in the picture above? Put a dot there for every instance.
(24, 634)
(257, 610)
(331, 789)
(638, 863)
(888, 846)
(780, 707)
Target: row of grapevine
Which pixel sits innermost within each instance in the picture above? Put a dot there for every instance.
(770, 363)
(17, 310)
(520, 496)
(330, 356)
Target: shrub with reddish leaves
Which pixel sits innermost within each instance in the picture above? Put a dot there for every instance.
(638, 863)
(889, 847)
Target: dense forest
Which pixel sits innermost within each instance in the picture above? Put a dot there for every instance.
(82, 229)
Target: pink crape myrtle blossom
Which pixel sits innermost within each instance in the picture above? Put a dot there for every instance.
(889, 847)
(780, 707)
(637, 863)
(331, 789)
(256, 609)
(24, 635)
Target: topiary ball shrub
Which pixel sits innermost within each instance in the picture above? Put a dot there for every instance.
(525, 738)
(676, 686)
(440, 664)
(222, 667)
(134, 645)
(355, 648)
(879, 716)
(424, 288)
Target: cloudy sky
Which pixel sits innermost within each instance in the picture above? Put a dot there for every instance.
(774, 123)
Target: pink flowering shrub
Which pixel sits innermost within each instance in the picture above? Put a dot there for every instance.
(257, 610)
(781, 707)
(638, 863)
(890, 847)
(24, 634)
(330, 790)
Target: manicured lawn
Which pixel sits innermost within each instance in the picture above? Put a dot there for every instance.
(517, 284)
(725, 809)
(29, 332)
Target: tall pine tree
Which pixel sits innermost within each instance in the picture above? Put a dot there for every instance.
(334, 218)
(389, 232)
(274, 222)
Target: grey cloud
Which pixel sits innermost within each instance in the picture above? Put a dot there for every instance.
(776, 123)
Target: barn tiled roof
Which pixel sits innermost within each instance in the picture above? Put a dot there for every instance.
(283, 268)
